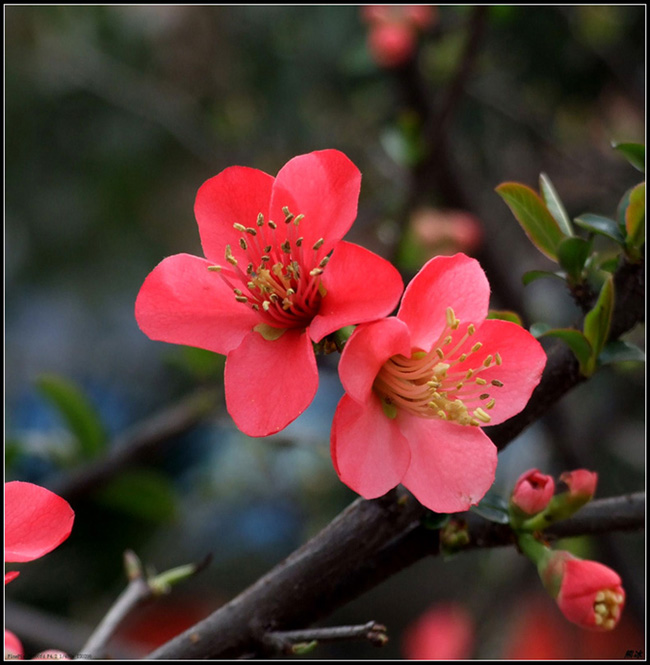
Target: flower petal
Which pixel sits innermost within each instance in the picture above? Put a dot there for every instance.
(182, 302)
(36, 521)
(523, 361)
(361, 286)
(369, 453)
(445, 281)
(270, 383)
(324, 187)
(369, 347)
(236, 195)
(452, 466)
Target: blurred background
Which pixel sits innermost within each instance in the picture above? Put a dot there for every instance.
(115, 115)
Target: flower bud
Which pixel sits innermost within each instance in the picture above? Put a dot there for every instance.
(581, 484)
(532, 492)
(588, 593)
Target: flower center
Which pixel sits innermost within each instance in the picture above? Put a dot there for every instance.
(282, 279)
(443, 382)
(607, 608)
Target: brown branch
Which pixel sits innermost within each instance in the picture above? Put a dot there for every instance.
(363, 546)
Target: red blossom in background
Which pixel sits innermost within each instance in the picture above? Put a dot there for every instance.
(13, 647)
(36, 521)
(445, 632)
(393, 31)
(420, 385)
(533, 491)
(277, 277)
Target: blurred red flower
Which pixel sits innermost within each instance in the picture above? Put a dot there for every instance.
(445, 632)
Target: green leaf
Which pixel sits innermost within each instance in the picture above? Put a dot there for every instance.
(142, 493)
(554, 204)
(634, 153)
(533, 275)
(604, 226)
(493, 507)
(505, 315)
(572, 254)
(575, 340)
(533, 216)
(635, 218)
(619, 351)
(598, 321)
(79, 414)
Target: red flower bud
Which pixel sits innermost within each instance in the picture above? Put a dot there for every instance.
(588, 593)
(532, 492)
(581, 484)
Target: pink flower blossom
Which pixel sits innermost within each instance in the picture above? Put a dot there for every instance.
(13, 647)
(36, 521)
(419, 387)
(277, 277)
(588, 593)
(533, 491)
(445, 632)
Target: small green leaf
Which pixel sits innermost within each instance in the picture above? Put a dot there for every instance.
(602, 225)
(493, 507)
(635, 218)
(505, 315)
(634, 153)
(619, 351)
(78, 413)
(598, 321)
(572, 254)
(142, 493)
(533, 216)
(533, 275)
(554, 204)
(575, 340)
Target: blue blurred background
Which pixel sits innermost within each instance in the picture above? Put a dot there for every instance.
(115, 115)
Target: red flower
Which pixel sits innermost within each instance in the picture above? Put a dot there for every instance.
(13, 647)
(581, 484)
(420, 385)
(278, 288)
(590, 594)
(445, 632)
(36, 521)
(391, 44)
(533, 491)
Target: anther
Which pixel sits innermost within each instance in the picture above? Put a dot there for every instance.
(316, 271)
(299, 241)
(298, 219)
(484, 396)
(214, 268)
(251, 231)
(241, 298)
(497, 359)
(229, 257)
(451, 317)
(267, 249)
(476, 346)
(497, 383)
(242, 244)
(324, 261)
(481, 415)
(440, 353)
(462, 357)
(272, 224)
(318, 244)
(260, 219)
(239, 227)
(447, 340)
(266, 305)
(286, 247)
(490, 404)
(237, 292)
(488, 361)
(471, 329)
(481, 382)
